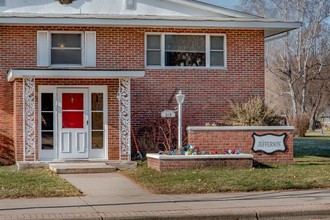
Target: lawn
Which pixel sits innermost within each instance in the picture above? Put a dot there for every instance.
(33, 183)
(315, 147)
(310, 170)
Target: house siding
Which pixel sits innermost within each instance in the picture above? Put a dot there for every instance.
(122, 48)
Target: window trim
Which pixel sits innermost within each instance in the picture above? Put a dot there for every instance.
(207, 51)
(83, 61)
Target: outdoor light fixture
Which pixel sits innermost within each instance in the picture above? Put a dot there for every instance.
(180, 99)
(66, 1)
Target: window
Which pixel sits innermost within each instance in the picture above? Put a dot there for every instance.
(217, 51)
(47, 121)
(185, 50)
(66, 49)
(63, 48)
(72, 110)
(153, 50)
(180, 50)
(97, 120)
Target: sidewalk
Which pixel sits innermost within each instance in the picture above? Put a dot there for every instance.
(112, 196)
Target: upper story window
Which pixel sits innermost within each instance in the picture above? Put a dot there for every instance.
(173, 50)
(66, 49)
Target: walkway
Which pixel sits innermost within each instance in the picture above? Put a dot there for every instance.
(112, 196)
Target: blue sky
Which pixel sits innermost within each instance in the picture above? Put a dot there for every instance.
(224, 3)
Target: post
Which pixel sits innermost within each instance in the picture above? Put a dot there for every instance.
(179, 98)
(180, 127)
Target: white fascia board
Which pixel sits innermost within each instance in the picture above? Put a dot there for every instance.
(90, 74)
(200, 157)
(240, 128)
(272, 27)
(271, 37)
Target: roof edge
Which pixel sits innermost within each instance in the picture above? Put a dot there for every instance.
(272, 27)
(14, 74)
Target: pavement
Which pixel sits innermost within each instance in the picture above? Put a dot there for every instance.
(112, 196)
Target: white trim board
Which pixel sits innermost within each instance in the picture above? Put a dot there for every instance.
(240, 128)
(200, 157)
(94, 74)
(271, 27)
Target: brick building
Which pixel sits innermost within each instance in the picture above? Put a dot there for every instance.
(71, 75)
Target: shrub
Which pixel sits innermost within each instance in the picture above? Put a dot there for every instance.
(252, 113)
(160, 134)
(301, 124)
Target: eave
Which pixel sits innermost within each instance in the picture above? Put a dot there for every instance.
(14, 74)
(271, 27)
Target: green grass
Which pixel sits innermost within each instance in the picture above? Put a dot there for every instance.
(33, 183)
(283, 177)
(315, 147)
(310, 170)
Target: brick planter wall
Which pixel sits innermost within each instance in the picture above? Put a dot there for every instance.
(169, 162)
(237, 137)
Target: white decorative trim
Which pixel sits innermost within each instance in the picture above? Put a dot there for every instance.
(124, 98)
(29, 114)
(240, 128)
(14, 74)
(200, 157)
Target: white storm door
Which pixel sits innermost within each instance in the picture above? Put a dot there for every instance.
(73, 123)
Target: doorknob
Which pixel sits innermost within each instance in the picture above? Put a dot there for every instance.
(87, 122)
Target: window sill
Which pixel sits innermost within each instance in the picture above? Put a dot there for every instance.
(60, 66)
(186, 68)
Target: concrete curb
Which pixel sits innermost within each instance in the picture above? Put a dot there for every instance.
(277, 212)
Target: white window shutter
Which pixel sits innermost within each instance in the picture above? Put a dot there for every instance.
(90, 48)
(43, 51)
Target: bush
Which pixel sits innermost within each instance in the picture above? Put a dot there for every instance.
(252, 113)
(160, 134)
(301, 124)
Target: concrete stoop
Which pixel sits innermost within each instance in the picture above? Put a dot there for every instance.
(91, 167)
(78, 167)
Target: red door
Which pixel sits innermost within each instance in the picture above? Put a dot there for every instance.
(73, 123)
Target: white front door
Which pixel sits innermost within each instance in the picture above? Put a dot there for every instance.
(73, 119)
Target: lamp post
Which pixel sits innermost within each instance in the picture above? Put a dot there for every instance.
(180, 99)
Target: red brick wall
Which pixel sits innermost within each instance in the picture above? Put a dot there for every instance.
(18, 120)
(241, 139)
(207, 90)
(175, 164)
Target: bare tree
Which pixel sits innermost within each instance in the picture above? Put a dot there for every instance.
(300, 58)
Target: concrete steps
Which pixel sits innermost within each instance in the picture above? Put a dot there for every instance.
(76, 168)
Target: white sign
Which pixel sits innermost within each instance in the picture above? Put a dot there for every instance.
(168, 114)
(268, 143)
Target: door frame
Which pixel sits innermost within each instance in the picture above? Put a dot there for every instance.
(50, 155)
